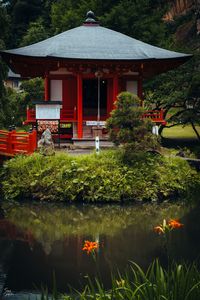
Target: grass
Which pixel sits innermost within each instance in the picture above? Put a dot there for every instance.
(179, 282)
(180, 132)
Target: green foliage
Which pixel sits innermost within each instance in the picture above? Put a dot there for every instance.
(34, 90)
(13, 108)
(64, 15)
(181, 94)
(36, 32)
(13, 103)
(4, 35)
(127, 127)
(23, 12)
(97, 178)
(4, 25)
(3, 100)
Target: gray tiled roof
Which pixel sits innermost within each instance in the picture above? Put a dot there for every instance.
(95, 43)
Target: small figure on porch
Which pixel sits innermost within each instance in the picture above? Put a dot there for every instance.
(45, 144)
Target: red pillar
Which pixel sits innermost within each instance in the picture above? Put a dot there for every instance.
(115, 88)
(46, 88)
(80, 106)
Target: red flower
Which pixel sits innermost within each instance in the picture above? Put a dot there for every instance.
(90, 246)
(174, 224)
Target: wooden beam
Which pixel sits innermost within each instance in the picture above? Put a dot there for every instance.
(80, 105)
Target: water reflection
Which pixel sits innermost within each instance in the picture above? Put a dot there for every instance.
(48, 239)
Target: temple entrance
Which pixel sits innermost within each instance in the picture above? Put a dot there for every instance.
(90, 98)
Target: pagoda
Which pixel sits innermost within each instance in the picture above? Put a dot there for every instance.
(84, 70)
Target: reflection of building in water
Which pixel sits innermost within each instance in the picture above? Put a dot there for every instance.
(10, 231)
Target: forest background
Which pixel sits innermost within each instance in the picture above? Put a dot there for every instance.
(173, 24)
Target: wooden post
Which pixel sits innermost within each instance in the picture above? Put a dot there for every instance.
(80, 106)
(9, 143)
(46, 88)
(13, 140)
(30, 142)
(115, 88)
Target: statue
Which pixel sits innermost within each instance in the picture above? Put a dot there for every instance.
(45, 144)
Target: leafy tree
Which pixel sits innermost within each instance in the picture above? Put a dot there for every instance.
(23, 12)
(4, 35)
(35, 33)
(127, 127)
(13, 107)
(33, 89)
(64, 15)
(13, 110)
(178, 93)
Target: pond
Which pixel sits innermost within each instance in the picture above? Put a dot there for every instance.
(40, 242)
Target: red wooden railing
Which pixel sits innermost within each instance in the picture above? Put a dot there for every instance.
(156, 116)
(12, 142)
(65, 115)
(68, 114)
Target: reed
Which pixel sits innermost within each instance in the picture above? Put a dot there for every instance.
(178, 282)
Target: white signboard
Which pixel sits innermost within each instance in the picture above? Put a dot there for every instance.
(47, 112)
(95, 123)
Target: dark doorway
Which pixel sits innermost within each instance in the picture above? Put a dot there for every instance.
(90, 98)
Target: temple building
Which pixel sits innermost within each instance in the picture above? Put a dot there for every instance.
(84, 69)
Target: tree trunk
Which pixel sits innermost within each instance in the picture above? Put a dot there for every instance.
(161, 127)
(195, 130)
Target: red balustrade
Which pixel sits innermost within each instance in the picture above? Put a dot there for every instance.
(65, 115)
(12, 142)
(156, 116)
(70, 115)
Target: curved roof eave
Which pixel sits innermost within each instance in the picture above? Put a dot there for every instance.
(9, 54)
(94, 43)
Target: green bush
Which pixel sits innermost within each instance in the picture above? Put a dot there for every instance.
(126, 126)
(94, 178)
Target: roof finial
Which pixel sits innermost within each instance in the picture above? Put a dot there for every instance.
(90, 18)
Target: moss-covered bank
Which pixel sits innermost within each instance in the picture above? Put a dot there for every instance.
(95, 178)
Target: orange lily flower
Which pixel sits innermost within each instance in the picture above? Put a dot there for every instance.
(90, 246)
(174, 224)
(159, 229)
